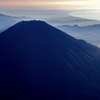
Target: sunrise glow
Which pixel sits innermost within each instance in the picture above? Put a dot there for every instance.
(91, 4)
(29, 3)
(97, 2)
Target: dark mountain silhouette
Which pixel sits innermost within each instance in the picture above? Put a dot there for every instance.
(89, 33)
(40, 62)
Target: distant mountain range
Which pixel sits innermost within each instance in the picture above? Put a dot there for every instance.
(70, 20)
(7, 21)
(40, 62)
(89, 33)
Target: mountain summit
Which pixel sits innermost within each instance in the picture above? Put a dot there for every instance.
(40, 62)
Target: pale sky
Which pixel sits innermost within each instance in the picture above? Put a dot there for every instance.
(64, 4)
(80, 8)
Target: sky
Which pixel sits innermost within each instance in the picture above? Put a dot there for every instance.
(80, 8)
(62, 4)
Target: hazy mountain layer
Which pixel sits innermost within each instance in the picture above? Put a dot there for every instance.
(53, 17)
(7, 21)
(89, 33)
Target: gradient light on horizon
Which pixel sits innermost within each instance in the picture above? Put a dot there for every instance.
(72, 4)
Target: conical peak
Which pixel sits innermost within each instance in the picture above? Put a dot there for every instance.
(32, 25)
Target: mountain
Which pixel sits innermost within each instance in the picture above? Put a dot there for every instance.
(90, 28)
(89, 33)
(7, 21)
(71, 20)
(40, 62)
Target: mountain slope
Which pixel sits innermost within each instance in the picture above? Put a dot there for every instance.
(38, 61)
